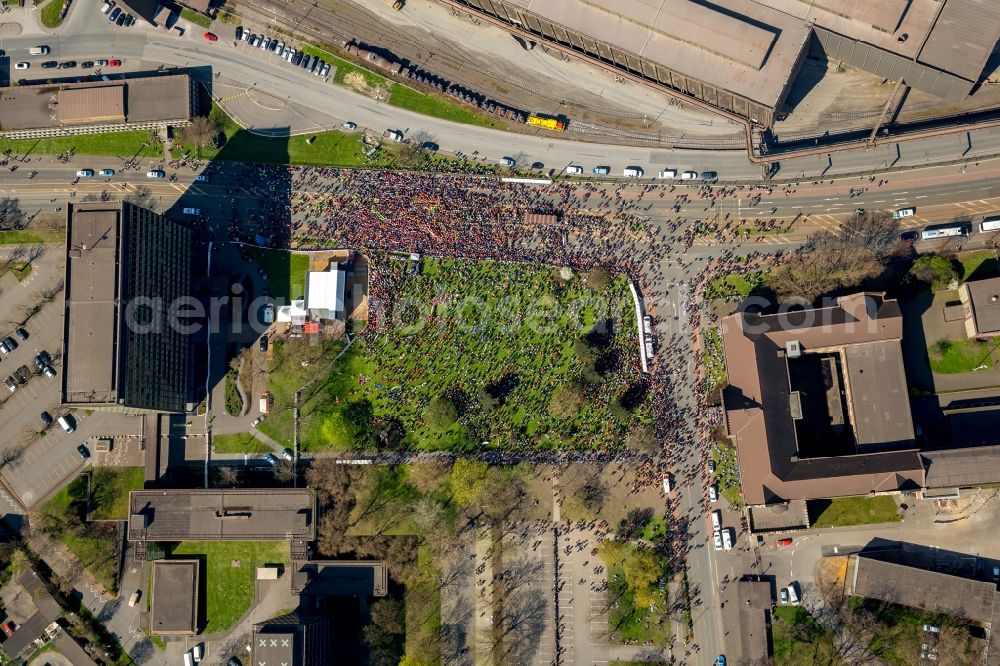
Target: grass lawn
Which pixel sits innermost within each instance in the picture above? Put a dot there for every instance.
(405, 97)
(286, 271)
(632, 623)
(32, 237)
(496, 340)
(799, 640)
(949, 357)
(734, 286)
(845, 511)
(241, 443)
(978, 265)
(51, 14)
(423, 610)
(92, 543)
(20, 269)
(196, 18)
(110, 487)
(344, 67)
(727, 473)
(125, 144)
(230, 589)
(712, 358)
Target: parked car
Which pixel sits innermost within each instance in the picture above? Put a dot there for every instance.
(115, 13)
(784, 595)
(574, 169)
(22, 374)
(22, 65)
(10, 384)
(709, 175)
(46, 419)
(239, 32)
(246, 35)
(10, 342)
(793, 593)
(211, 36)
(8, 628)
(41, 360)
(192, 211)
(689, 175)
(601, 170)
(932, 629)
(68, 64)
(21, 334)
(257, 421)
(83, 451)
(155, 173)
(50, 64)
(287, 454)
(785, 543)
(201, 178)
(49, 371)
(508, 161)
(350, 126)
(121, 20)
(134, 598)
(271, 459)
(114, 62)
(711, 467)
(87, 64)
(263, 344)
(713, 494)
(107, 7)
(727, 539)
(106, 172)
(717, 537)
(85, 173)
(325, 70)
(668, 174)
(720, 660)
(101, 63)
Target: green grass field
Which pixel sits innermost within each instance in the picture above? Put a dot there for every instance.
(949, 357)
(124, 144)
(196, 18)
(92, 543)
(241, 443)
(230, 589)
(286, 271)
(496, 339)
(734, 286)
(405, 97)
(845, 511)
(978, 265)
(727, 473)
(799, 640)
(110, 487)
(51, 14)
(35, 237)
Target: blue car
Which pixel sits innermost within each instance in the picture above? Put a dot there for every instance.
(721, 661)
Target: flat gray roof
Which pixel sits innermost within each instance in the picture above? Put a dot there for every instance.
(963, 37)
(879, 399)
(148, 99)
(740, 45)
(962, 468)
(985, 297)
(207, 515)
(920, 588)
(91, 303)
(174, 597)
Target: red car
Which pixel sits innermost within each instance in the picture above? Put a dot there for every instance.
(8, 629)
(114, 63)
(212, 37)
(784, 543)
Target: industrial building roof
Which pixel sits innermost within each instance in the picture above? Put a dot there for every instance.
(740, 45)
(174, 597)
(759, 401)
(963, 37)
(754, 603)
(91, 302)
(97, 104)
(962, 468)
(149, 99)
(920, 588)
(179, 515)
(984, 297)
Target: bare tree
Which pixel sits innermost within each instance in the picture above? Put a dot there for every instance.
(11, 214)
(142, 197)
(284, 472)
(228, 476)
(202, 131)
(11, 455)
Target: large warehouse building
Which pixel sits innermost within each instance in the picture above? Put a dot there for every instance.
(63, 109)
(124, 265)
(742, 56)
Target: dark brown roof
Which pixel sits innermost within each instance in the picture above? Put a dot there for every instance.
(754, 601)
(920, 588)
(174, 597)
(962, 468)
(984, 296)
(240, 514)
(865, 329)
(99, 104)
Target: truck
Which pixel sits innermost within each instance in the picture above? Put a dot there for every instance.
(392, 135)
(265, 402)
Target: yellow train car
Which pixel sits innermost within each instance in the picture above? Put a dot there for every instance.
(547, 122)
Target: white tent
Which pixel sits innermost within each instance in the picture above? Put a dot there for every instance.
(325, 293)
(293, 314)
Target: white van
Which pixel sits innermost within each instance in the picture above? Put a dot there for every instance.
(67, 423)
(717, 520)
(38, 50)
(668, 173)
(632, 172)
(196, 652)
(727, 539)
(793, 593)
(574, 169)
(689, 175)
(187, 659)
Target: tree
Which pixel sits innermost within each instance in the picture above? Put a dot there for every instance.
(284, 472)
(642, 572)
(388, 614)
(567, 401)
(441, 413)
(389, 432)
(821, 269)
(228, 476)
(934, 270)
(202, 131)
(585, 353)
(11, 215)
(643, 439)
(469, 481)
(597, 279)
(876, 231)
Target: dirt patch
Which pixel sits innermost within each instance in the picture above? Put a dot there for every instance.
(10, 29)
(357, 82)
(831, 573)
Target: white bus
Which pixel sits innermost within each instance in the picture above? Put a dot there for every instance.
(990, 223)
(943, 232)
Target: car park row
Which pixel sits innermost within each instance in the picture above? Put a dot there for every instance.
(284, 51)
